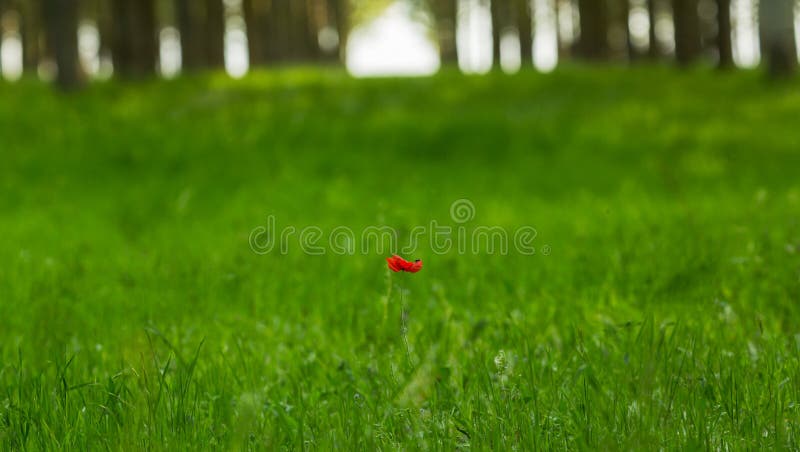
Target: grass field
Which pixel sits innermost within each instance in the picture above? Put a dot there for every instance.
(661, 309)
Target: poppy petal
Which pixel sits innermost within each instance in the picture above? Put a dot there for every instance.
(393, 264)
(397, 263)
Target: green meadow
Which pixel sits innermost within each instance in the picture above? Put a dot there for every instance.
(659, 310)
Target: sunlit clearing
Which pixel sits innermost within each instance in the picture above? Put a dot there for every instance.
(10, 46)
(474, 36)
(545, 49)
(237, 60)
(746, 52)
(509, 53)
(392, 44)
(797, 28)
(639, 25)
(89, 47)
(11, 56)
(665, 32)
(567, 21)
(169, 50)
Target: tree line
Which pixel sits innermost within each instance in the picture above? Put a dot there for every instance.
(292, 31)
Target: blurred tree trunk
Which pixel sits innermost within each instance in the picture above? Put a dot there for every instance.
(202, 30)
(314, 25)
(496, 32)
(215, 34)
(135, 44)
(724, 44)
(255, 13)
(145, 28)
(317, 21)
(191, 18)
(776, 30)
(340, 12)
(593, 43)
(445, 12)
(653, 50)
(624, 18)
(500, 21)
(687, 31)
(281, 30)
(302, 43)
(297, 31)
(524, 14)
(30, 33)
(105, 28)
(279, 21)
(61, 27)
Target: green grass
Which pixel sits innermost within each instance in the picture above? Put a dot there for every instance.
(134, 315)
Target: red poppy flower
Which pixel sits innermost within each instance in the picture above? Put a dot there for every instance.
(398, 264)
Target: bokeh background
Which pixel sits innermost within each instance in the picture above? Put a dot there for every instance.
(97, 39)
